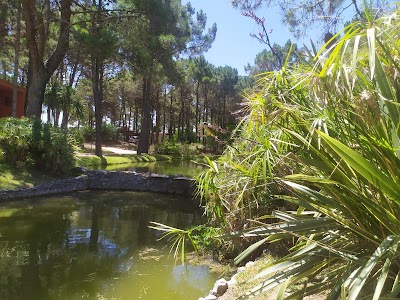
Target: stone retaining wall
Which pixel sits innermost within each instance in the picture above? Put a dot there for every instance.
(107, 180)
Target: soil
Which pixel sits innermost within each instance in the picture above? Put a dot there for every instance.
(117, 148)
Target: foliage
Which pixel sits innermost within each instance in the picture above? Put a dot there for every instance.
(328, 14)
(177, 238)
(51, 149)
(14, 137)
(77, 135)
(109, 133)
(238, 186)
(178, 150)
(323, 137)
(266, 60)
(59, 152)
(25, 141)
(203, 239)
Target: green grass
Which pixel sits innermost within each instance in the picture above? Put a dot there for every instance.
(13, 177)
(94, 162)
(245, 281)
(18, 177)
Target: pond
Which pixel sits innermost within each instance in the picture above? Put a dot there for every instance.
(95, 245)
(186, 168)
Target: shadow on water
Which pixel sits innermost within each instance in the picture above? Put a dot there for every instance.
(95, 246)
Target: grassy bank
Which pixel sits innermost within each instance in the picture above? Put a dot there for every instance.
(12, 177)
(94, 162)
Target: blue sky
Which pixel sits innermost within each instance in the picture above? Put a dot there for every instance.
(233, 45)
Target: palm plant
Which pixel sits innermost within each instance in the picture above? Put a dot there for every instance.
(347, 226)
(238, 185)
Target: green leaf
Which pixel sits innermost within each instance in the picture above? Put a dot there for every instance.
(248, 251)
(365, 168)
(371, 44)
(281, 293)
(362, 275)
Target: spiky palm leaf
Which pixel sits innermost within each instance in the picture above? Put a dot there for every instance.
(343, 114)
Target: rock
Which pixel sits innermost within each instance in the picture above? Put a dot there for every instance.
(232, 281)
(107, 180)
(76, 171)
(249, 264)
(211, 297)
(220, 287)
(240, 270)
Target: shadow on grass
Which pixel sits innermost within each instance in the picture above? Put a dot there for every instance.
(95, 162)
(12, 177)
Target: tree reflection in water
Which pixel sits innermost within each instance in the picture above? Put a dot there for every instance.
(81, 247)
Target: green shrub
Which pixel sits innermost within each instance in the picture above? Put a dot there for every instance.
(109, 133)
(14, 139)
(25, 141)
(77, 136)
(88, 133)
(323, 136)
(58, 156)
(178, 150)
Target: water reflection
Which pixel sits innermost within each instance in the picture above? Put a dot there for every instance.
(186, 168)
(94, 246)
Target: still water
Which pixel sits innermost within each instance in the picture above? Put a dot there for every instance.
(186, 168)
(95, 245)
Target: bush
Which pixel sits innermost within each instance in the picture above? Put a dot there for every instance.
(323, 136)
(178, 150)
(14, 139)
(88, 133)
(25, 141)
(109, 133)
(77, 136)
(59, 152)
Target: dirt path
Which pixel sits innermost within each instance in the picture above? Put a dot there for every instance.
(119, 150)
(111, 150)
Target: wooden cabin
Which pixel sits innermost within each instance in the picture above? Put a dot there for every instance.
(6, 96)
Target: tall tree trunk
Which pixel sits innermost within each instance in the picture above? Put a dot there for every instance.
(67, 105)
(136, 116)
(188, 129)
(3, 63)
(124, 116)
(171, 119)
(48, 114)
(36, 38)
(16, 60)
(65, 118)
(197, 111)
(57, 118)
(29, 76)
(144, 140)
(164, 112)
(36, 95)
(97, 81)
(182, 116)
(158, 115)
(224, 113)
(205, 115)
(130, 118)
